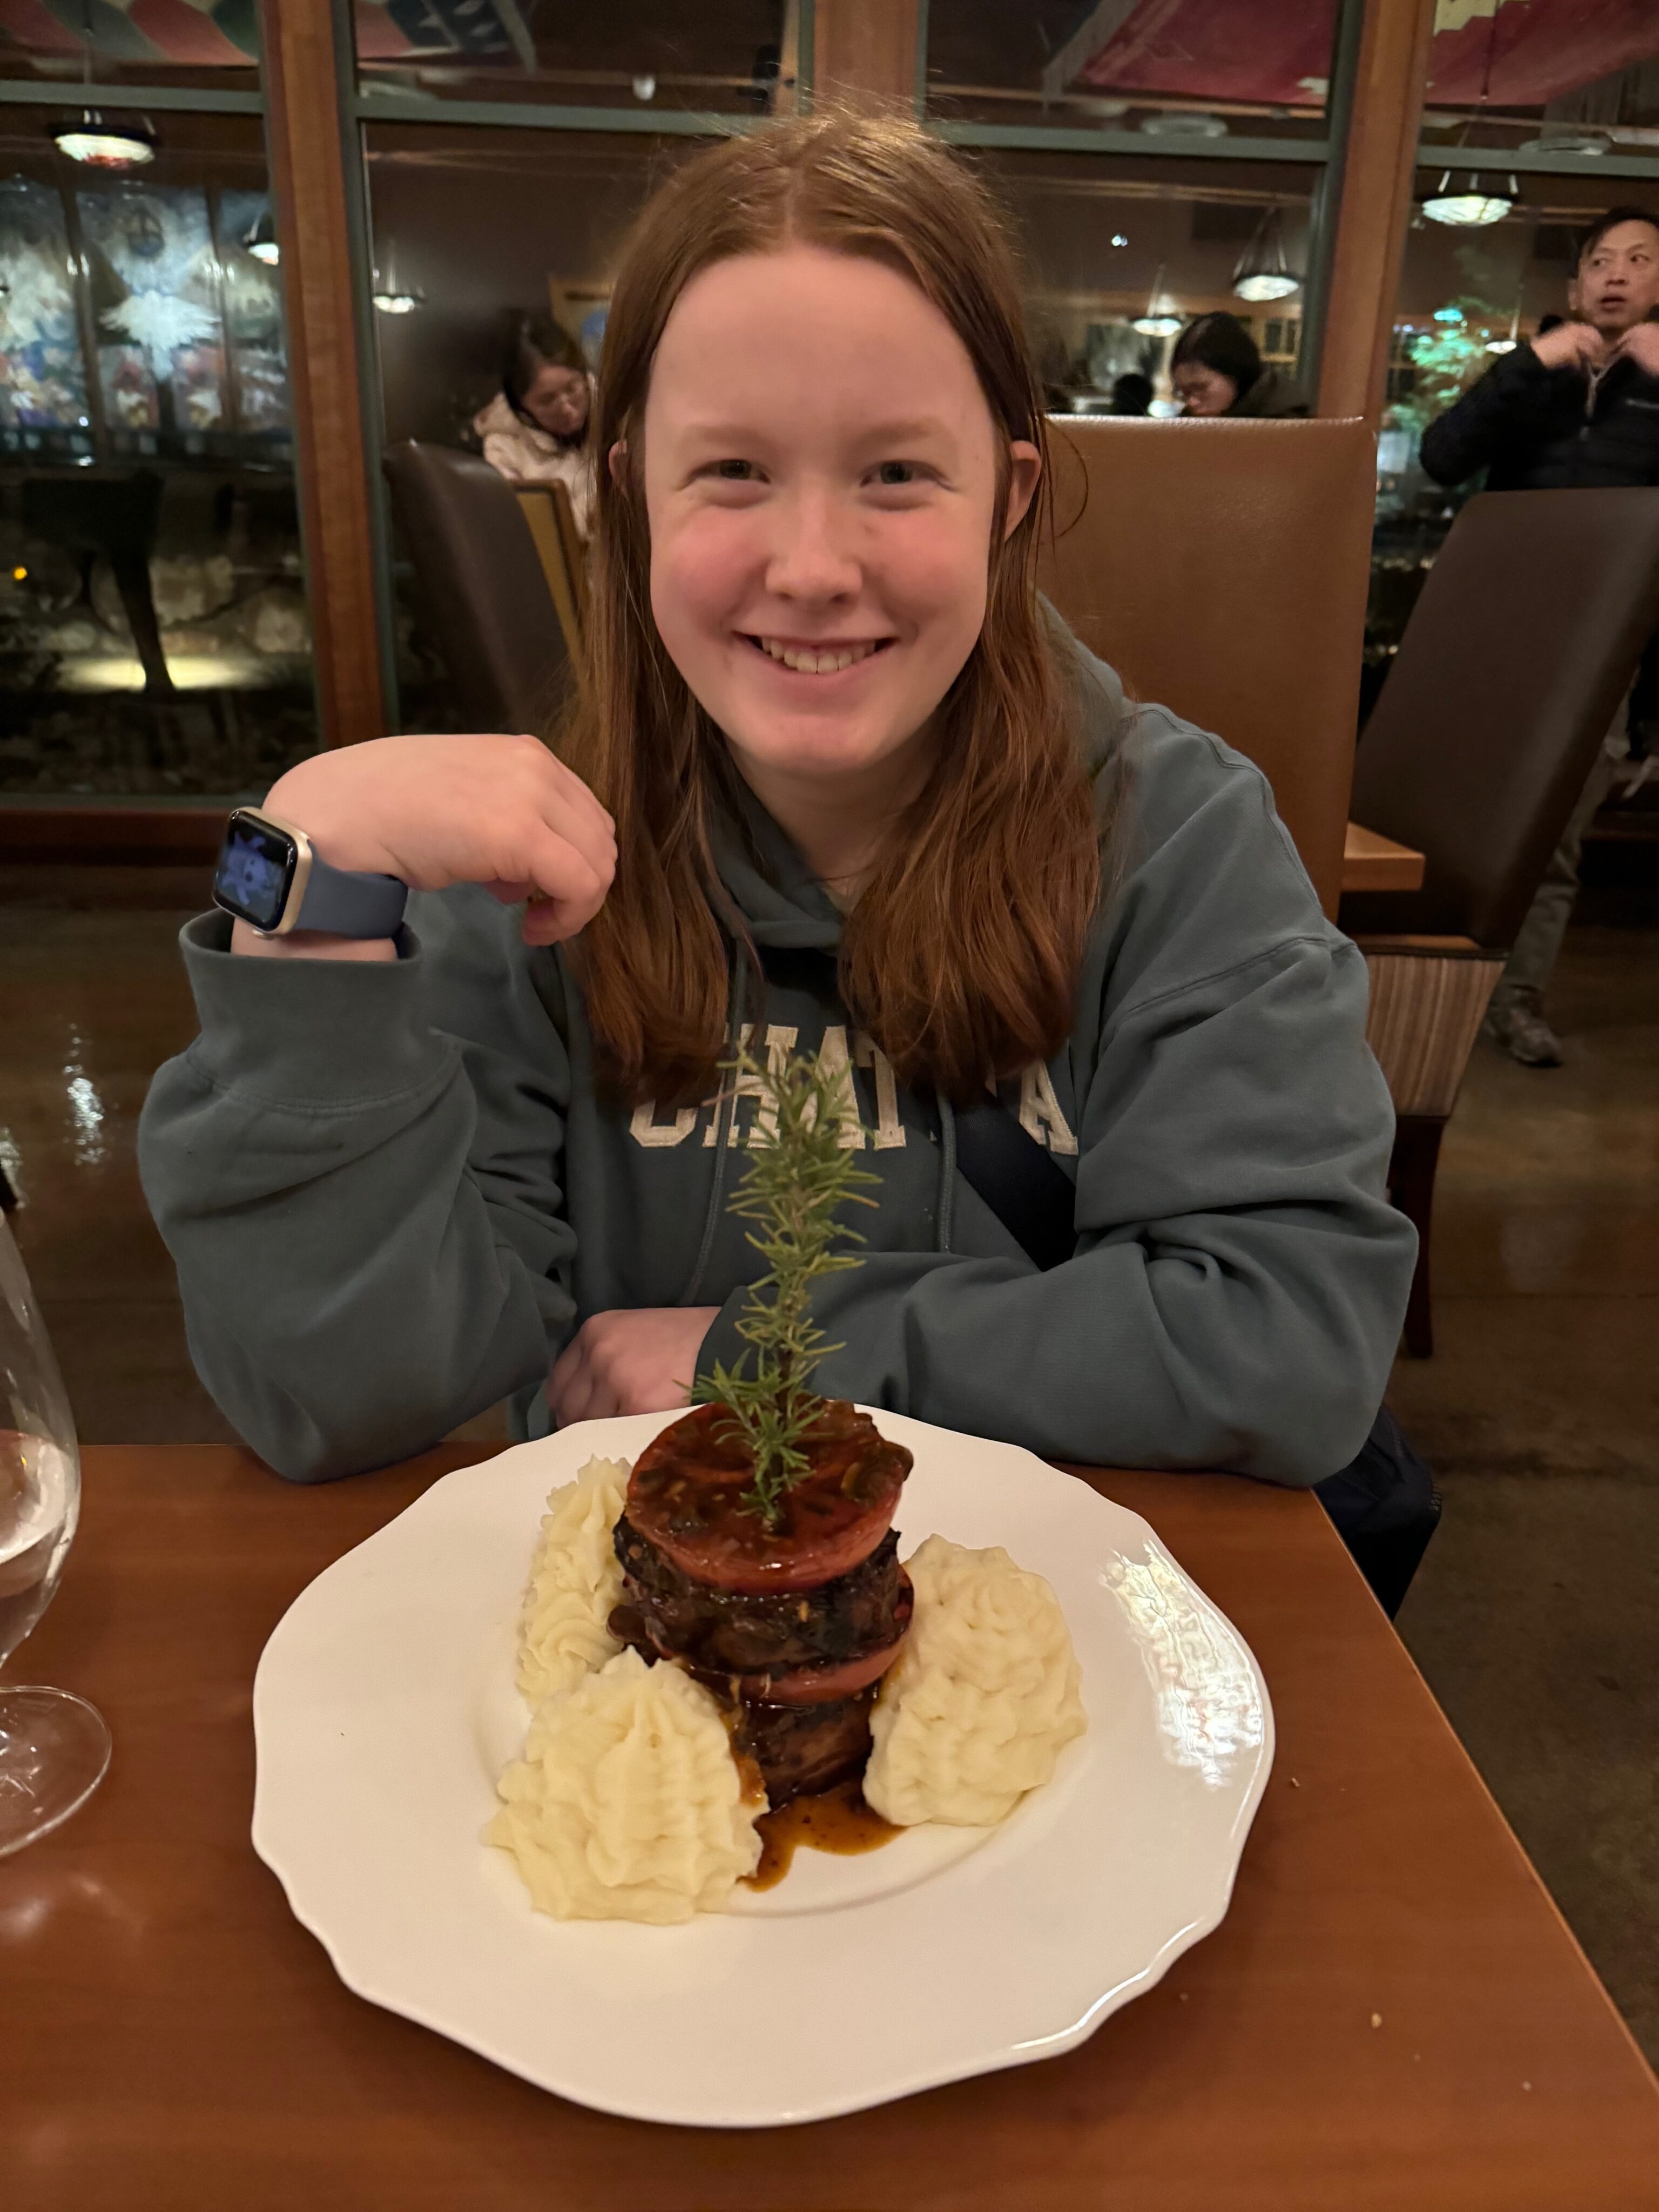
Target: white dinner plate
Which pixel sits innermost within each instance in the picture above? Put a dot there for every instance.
(385, 1708)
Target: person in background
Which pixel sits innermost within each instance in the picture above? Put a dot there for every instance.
(1132, 394)
(534, 431)
(1216, 369)
(1578, 406)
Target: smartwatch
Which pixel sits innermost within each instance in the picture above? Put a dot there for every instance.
(270, 877)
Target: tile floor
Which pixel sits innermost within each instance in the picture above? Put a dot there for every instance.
(1535, 1617)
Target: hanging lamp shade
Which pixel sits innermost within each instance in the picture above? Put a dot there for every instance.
(1261, 271)
(1163, 318)
(101, 142)
(1469, 210)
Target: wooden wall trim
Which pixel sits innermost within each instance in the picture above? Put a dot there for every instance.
(865, 48)
(124, 833)
(308, 146)
(1379, 169)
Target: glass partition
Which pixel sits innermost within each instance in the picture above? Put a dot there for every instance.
(154, 634)
(472, 231)
(734, 57)
(1121, 254)
(124, 46)
(1468, 294)
(1185, 74)
(1553, 78)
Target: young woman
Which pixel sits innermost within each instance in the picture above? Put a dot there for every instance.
(1217, 369)
(534, 431)
(841, 783)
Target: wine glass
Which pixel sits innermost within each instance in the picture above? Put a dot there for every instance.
(54, 1747)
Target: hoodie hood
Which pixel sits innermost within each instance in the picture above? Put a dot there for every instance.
(784, 903)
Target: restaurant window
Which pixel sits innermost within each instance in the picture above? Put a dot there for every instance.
(154, 641)
(1538, 119)
(1187, 74)
(471, 230)
(1120, 255)
(721, 57)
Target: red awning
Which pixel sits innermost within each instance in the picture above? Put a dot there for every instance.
(1513, 53)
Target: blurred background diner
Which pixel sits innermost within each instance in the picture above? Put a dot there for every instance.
(301, 302)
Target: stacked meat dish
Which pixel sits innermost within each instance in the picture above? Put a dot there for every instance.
(790, 1618)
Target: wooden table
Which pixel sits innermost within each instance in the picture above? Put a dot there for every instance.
(1391, 2015)
(1375, 863)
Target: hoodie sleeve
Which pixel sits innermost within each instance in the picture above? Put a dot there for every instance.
(1239, 1282)
(355, 1167)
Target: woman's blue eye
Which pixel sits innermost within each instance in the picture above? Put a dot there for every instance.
(897, 472)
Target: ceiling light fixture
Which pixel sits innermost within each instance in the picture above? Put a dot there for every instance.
(1469, 210)
(1261, 271)
(100, 145)
(1163, 318)
(261, 241)
(390, 297)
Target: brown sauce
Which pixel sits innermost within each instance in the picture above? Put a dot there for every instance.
(839, 1820)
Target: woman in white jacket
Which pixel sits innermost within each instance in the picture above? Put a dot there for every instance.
(534, 431)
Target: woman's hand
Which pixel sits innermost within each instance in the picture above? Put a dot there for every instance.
(502, 811)
(638, 1362)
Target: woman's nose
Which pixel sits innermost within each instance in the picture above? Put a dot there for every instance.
(814, 550)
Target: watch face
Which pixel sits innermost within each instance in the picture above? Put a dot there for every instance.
(256, 866)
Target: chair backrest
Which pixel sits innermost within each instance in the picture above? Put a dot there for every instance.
(552, 521)
(482, 586)
(1221, 567)
(1518, 650)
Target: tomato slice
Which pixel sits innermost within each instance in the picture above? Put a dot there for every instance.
(819, 1686)
(688, 1494)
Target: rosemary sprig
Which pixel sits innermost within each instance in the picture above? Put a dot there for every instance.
(798, 1179)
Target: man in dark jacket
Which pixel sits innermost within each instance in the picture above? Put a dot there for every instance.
(1578, 406)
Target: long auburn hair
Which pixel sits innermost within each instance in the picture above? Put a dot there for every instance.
(961, 955)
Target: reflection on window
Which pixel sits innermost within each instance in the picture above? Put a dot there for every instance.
(43, 381)
(727, 56)
(479, 229)
(1188, 71)
(132, 42)
(1552, 74)
(1121, 255)
(153, 636)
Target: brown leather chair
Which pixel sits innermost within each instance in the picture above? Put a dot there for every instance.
(1518, 654)
(484, 587)
(1222, 567)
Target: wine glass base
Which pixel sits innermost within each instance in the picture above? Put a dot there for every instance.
(54, 1750)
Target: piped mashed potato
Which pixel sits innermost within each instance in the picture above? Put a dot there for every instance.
(982, 1698)
(627, 1804)
(575, 1579)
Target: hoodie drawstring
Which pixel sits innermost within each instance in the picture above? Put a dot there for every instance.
(725, 1107)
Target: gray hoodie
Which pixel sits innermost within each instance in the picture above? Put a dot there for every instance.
(393, 1194)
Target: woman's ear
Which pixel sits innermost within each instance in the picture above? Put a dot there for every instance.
(1024, 467)
(617, 462)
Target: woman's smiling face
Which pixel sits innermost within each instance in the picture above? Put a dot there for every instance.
(821, 474)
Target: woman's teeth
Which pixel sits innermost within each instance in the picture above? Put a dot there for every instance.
(815, 660)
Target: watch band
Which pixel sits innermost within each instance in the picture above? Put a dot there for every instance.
(343, 904)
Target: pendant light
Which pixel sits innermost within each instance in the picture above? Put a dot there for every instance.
(1163, 318)
(1469, 210)
(390, 297)
(261, 241)
(1261, 271)
(88, 138)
